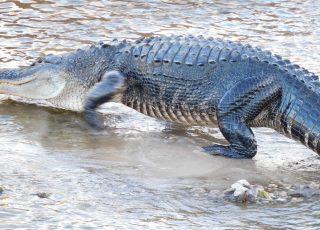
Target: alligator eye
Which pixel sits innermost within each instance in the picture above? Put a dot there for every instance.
(52, 59)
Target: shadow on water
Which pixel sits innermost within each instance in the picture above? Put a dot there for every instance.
(141, 172)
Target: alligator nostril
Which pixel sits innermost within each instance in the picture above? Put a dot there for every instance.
(39, 60)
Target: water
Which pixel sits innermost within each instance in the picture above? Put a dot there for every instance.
(143, 173)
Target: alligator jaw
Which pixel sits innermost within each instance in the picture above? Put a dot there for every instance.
(31, 83)
(4, 79)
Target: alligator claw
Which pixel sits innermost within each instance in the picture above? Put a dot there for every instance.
(221, 150)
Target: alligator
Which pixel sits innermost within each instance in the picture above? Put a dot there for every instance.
(183, 79)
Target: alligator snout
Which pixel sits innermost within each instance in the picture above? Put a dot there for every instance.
(11, 76)
(31, 82)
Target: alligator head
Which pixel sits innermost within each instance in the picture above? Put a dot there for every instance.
(60, 81)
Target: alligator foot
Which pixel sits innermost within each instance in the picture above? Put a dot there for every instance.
(241, 104)
(110, 85)
(92, 118)
(227, 151)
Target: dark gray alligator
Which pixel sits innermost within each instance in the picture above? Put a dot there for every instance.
(184, 79)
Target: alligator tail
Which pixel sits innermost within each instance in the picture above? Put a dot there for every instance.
(300, 117)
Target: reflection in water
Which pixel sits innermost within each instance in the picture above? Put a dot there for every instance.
(141, 172)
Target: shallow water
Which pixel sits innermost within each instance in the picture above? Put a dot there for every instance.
(143, 173)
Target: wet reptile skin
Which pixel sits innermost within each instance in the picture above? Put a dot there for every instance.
(204, 81)
(198, 81)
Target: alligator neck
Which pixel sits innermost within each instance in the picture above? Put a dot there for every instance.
(299, 116)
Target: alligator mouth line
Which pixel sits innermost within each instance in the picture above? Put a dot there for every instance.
(34, 84)
(17, 82)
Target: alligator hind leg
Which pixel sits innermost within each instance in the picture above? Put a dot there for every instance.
(112, 83)
(240, 105)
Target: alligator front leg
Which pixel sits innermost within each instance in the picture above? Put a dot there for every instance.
(241, 104)
(112, 83)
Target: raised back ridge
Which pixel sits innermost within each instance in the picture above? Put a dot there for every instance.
(199, 51)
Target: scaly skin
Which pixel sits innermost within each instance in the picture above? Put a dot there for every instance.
(187, 80)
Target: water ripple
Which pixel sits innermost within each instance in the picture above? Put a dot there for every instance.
(142, 173)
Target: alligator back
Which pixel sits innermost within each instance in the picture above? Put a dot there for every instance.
(182, 78)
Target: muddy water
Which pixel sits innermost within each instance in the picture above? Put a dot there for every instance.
(143, 173)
